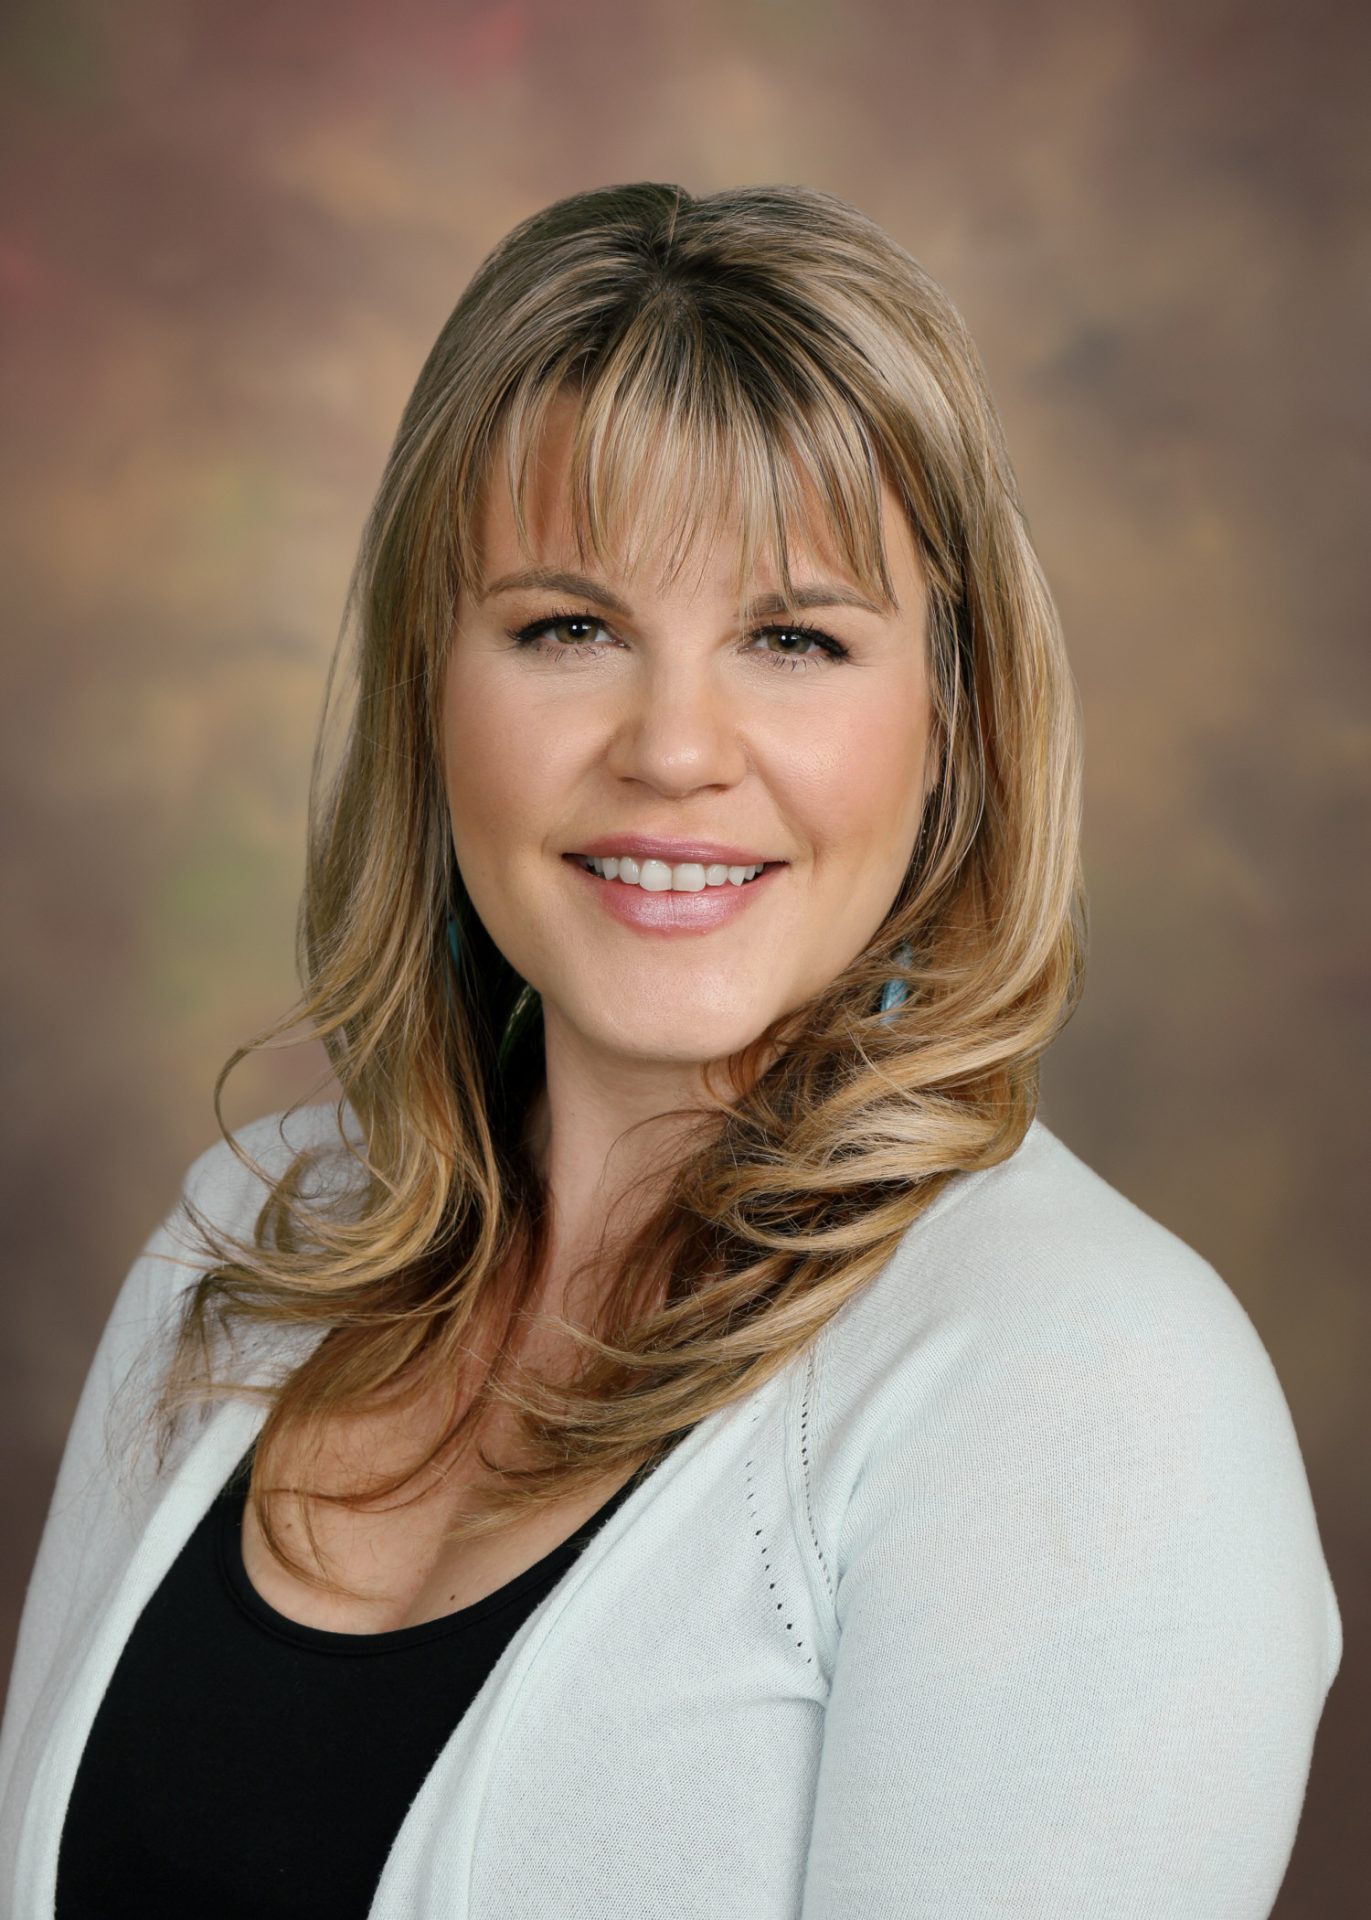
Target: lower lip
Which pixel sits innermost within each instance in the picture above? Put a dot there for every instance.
(672, 912)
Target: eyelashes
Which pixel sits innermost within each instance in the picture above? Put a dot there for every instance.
(533, 637)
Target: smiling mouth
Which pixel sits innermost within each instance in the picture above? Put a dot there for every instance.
(726, 877)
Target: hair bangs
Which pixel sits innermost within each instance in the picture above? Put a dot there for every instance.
(673, 453)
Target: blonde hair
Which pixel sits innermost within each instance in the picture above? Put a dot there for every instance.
(741, 348)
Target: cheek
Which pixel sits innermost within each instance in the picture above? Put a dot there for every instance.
(858, 780)
(504, 765)
(482, 766)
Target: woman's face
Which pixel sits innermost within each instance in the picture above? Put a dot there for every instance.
(645, 710)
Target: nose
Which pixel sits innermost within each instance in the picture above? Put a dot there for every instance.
(675, 728)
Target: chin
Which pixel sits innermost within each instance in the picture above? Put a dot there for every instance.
(677, 1041)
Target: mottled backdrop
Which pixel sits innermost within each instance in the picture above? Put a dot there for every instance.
(228, 236)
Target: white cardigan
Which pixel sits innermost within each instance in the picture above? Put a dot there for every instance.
(1007, 1596)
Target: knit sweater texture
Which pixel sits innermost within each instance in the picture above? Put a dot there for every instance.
(1006, 1596)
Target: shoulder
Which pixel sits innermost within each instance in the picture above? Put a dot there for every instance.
(1037, 1254)
(1040, 1345)
(140, 1330)
(232, 1177)
(223, 1189)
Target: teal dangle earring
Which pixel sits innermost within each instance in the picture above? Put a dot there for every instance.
(894, 993)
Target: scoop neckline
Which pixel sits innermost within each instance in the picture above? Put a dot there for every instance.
(227, 1512)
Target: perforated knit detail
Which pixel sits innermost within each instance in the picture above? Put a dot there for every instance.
(759, 1533)
(820, 1560)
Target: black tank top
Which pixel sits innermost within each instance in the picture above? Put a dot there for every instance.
(242, 1763)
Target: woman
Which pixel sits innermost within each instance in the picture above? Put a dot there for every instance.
(681, 1436)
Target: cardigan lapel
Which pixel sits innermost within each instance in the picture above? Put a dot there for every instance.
(112, 1594)
(430, 1864)
(95, 1640)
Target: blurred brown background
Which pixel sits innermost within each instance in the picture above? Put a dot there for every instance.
(229, 235)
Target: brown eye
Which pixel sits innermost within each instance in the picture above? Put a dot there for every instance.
(827, 649)
(534, 635)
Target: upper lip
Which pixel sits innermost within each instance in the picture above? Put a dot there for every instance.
(649, 846)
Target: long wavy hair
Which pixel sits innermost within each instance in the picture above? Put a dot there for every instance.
(726, 350)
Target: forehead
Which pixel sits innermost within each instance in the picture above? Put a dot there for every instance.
(646, 548)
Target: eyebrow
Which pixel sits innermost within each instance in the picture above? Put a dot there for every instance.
(818, 593)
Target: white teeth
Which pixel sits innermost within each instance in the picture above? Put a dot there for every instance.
(655, 876)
